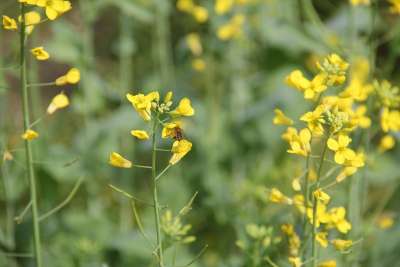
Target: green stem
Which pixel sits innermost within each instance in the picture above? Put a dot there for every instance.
(306, 193)
(28, 149)
(159, 250)
(315, 206)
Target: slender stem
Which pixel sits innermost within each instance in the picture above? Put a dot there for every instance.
(315, 206)
(28, 149)
(159, 250)
(306, 193)
(41, 84)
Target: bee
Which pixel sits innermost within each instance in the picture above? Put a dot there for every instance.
(178, 134)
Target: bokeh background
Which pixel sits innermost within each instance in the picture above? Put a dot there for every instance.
(235, 82)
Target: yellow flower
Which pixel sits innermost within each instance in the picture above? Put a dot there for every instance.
(295, 261)
(142, 135)
(315, 120)
(198, 64)
(335, 69)
(296, 186)
(322, 215)
(30, 135)
(200, 14)
(231, 29)
(40, 53)
(328, 263)
(9, 23)
(118, 161)
(341, 244)
(390, 120)
(170, 129)
(351, 167)
(31, 19)
(58, 102)
(359, 2)
(73, 76)
(339, 146)
(387, 142)
(316, 86)
(323, 197)
(322, 239)
(281, 119)
(185, 5)
(290, 134)
(300, 145)
(288, 229)
(277, 196)
(296, 80)
(184, 108)
(142, 103)
(338, 220)
(54, 8)
(7, 156)
(358, 118)
(194, 44)
(223, 6)
(385, 221)
(395, 6)
(179, 149)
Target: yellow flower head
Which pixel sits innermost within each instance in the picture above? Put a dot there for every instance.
(194, 44)
(322, 239)
(316, 86)
(223, 6)
(288, 229)
(387, 142)
(390, 120)
(300, 144)
(185, 5)
(321, 196)
(359, 119)
(296, 80)
(40, 53)
(170, 129)
(143, 103)
(328, 263)
(7, 156)
(54, 8)
(322, 215)
(31, 19)
(281, 119)
(30, 135)
(198, 64)
(232, 28)
(341, 244)
(73, 76)
(394, 6)
(9, 23)
(118, 161)
(58, 102)
(179, 149)
(351, 167)
(140, 134)
(385, 221)
(388, 94)
(335, 68)
(200, 14)
(295, 261)
(339, 146)
(315, 120)
(184, 108)
(290, 134)
(338, 219)
(277, 196)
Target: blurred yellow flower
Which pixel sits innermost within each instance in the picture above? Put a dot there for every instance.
(315, 120)
(54, 8)
(30, 135)
(31, 19)
(73, 76)
(296, 80)
(58, 102)
(387, 142)
(9, 23)
(277, 196)
(40, 53)
(184, 108)
(338, 220)
(351, 167)
(385, 221)
(394, 6)
(390, 120)
(339, 146)
(322, 239)
(359, 119)
(223, 6)
(198, 64)
(200, 14)
(170, 128)
(179, 149)
(335, 68)
(321, 196)
(185, 5)
(7, 156)
(341, 244)
(232, 28)
(315, 87)
(295, 261)
(118, 161)
(359, 2)
(327, 263)
(194, 44)
(140, 134)
(281, 119)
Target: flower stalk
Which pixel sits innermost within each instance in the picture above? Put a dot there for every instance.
(159, 249)
(28, 148)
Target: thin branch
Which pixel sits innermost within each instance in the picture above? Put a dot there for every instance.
(65, 202)
(162, 172)
(126, 194)
(198, 256)
(20, 217)
(139, 224)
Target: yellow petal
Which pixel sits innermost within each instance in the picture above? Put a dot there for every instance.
(58, 102)
(30, 135)
(140, 134)
(179, 149)
(333, 144)
(184, 108)
(40, 53)
(118, 161)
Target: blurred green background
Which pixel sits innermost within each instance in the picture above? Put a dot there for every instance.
(125, 46)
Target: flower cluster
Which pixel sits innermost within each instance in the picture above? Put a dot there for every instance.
(149, 107)
(53, 9)
(199, 13)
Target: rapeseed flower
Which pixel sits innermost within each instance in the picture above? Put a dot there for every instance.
(184, 108)
(340, 147)
(222, 7)
(281, 119)
(315, 120)
(322, 239)
(341, 244)
(30, 135)
(73, 76)
(140, 134)
(119, 161)
(327, 263)
(9, 23)
(300, 144)
(387, 142)
(143, 103)
(359, 2)
(179, 149)
(394, 6)
(335, 69)
(40, 53)
(58, 102)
